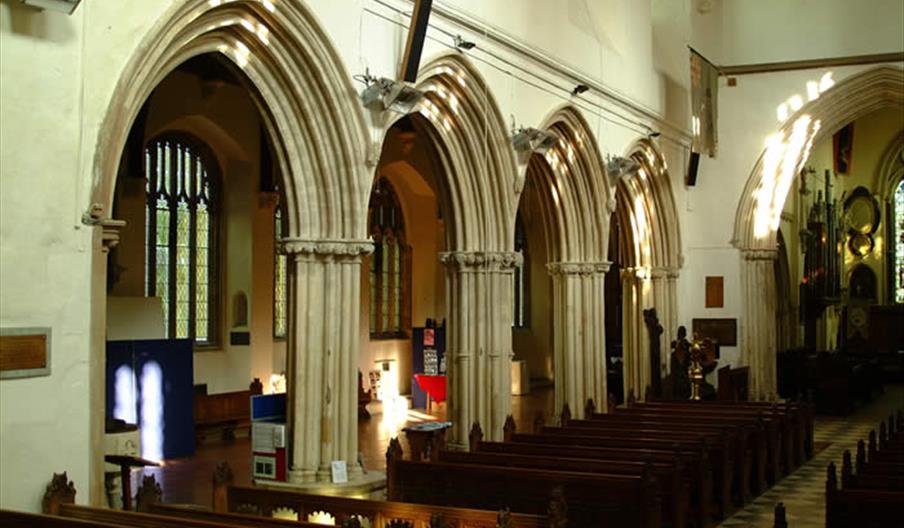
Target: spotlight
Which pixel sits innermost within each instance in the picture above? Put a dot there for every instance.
(653, 134)
(463, 44)
(63, 6)
(619, 167)
(533, 140)
(579, 89)
(386, 94)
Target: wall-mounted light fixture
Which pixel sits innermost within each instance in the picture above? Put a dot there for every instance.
(526, 140)
(619, 167)
(386, 94)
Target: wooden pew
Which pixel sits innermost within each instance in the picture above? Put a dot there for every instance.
(696, 473)
(795, 422)
(17, 519)
(673, 491)
(262, 502)
(749, 443)
(721, 460)
(589, 499)
(733, 383)
(226, 412)
(760, 435)
(864, 508)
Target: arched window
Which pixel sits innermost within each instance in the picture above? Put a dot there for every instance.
(280, 306)
(520, 279)
(390, 269)
(181, 237)
(898, 269)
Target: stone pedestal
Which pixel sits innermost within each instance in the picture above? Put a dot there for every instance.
(758, 345)
(323, 343)
(579, 344)
(479, 340)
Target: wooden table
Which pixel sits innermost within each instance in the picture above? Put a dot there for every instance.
(126, 463)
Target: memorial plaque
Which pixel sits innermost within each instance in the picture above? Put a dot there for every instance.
(24, 352)
(723, 332)
(715, 292)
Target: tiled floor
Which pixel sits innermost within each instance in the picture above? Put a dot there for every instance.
(803, 492)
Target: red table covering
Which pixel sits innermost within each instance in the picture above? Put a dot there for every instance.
(435, 386)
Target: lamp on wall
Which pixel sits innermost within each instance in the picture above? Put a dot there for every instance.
(463, 44)
(386, 94)
(533, 140)
(63, 6)
(619, 167)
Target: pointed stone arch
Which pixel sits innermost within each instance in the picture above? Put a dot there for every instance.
(478, 195)
(646, 210)
(317, 127)
(570, 186)
(759, 210)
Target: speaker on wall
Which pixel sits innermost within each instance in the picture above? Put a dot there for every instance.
(691, 179)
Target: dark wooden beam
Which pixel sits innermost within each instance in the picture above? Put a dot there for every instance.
(411, 60)
(809, 64)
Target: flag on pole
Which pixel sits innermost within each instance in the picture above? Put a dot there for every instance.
(704, 104)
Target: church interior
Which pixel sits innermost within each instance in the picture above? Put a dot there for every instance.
(452, 263)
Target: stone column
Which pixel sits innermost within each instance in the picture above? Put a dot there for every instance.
(636, 295)
(479, 353)
(665, 300)
(579, 346)
(758, 329)
(323, 343)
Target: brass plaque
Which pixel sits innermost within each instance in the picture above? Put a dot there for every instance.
(24, 352)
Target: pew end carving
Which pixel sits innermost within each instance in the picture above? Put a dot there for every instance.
(475, 436)
(60, 490)
(222, 479)
(148, 494)
(508, 429)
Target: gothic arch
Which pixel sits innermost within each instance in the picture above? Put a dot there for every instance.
(570, 187)
(462, 120)
(307, 102)
(761, 203)
(646, 210)
(317, 126)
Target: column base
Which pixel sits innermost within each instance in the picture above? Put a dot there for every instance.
(370, 485)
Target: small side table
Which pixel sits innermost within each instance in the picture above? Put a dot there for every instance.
(424, 435)
(126, 463)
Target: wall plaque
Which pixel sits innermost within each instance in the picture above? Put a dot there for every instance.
(715, 292)
(724, 332)
(24, 352)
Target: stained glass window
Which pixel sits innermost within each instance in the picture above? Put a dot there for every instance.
(280, 304)
(520, 278)
(899, 243)
(390, 275)
(180, 265)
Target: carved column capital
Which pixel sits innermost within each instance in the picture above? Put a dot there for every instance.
(639, 273)
(326, 249)
(759, 254)
(481, 260)
(578, 268)
(664, 272)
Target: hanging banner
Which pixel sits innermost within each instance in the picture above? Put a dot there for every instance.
(704, 104)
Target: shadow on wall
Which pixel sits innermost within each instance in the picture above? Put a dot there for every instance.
(32, 22)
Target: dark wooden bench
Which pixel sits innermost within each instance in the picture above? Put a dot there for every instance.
(794, 422)
(863, 508)
(733, 383)
(225, 412)
(262, 502)
(694, 468)
(589, 499)
(757, 435)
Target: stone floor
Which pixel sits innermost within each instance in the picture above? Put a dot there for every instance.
(188, 480)
(803, 492)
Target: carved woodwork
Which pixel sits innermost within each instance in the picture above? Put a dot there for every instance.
(589, 408)
(60, 490)
(149, 493)
(508, 429)
(475, 436)
(557, 511)
(222, 479)
(504, 519)
(565, 416)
